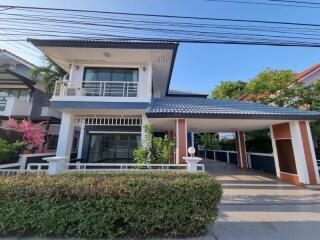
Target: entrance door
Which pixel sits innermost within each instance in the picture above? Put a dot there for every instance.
(112, 148)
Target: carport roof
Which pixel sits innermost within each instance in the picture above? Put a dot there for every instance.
(186, 107)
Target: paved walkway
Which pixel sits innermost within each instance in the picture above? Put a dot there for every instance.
(257, 206)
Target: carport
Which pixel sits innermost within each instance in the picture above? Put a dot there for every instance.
(292, 144)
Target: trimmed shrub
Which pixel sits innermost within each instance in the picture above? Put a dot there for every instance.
(109, 205)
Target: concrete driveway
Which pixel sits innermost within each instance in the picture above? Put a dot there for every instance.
(257, 206)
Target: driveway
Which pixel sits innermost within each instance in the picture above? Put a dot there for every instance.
(257, 206)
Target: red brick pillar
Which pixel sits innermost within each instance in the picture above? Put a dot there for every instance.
(241, 150)
(181, 140)
(171, 136)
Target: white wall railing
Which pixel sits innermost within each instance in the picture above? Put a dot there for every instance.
(96, 88)
(10, 169)
(113, 167)
(249, 154)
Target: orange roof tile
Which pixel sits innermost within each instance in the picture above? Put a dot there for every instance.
(307, 71)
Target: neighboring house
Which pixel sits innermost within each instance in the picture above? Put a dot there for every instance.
(309, 75)
(115, 87)
(21, 97)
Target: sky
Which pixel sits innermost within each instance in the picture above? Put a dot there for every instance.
(201, 67)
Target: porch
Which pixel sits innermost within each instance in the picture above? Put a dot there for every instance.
(109, 132)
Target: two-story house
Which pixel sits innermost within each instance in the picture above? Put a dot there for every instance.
(117, 86)
(23, 98)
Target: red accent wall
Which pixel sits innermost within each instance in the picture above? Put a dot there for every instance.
(281, 131)
(182, 142)
(240, 144)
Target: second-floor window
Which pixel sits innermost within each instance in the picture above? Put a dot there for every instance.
(21, 94)
(111, 74)
(113, 82)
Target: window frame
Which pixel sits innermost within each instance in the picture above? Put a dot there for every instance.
(9, 92)
(111, 71)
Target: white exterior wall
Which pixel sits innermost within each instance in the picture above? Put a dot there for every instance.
(275, 153)
(298, 150)
(16, 107)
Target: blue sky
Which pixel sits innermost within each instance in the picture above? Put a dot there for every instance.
(201, 67)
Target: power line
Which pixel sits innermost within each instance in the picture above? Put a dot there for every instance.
(68, 23)
(272, 3)
(161, 15)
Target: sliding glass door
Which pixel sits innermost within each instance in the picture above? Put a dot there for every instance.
(112, 148)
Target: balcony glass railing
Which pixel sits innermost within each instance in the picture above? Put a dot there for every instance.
(96, 88)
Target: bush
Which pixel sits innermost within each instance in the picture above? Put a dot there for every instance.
(109, 205)
(9, 153)
(155, 150)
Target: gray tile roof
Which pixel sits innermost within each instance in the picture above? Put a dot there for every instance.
(210, 108)
(106, 43)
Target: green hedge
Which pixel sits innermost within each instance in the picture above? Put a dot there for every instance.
(108, 205)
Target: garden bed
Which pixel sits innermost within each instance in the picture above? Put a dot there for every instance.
(109, 205)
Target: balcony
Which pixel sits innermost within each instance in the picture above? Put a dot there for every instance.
(96, 89)
(12, 106)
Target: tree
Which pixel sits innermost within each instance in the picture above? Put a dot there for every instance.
(33, 134)
(208, 141)
(48, 75)
(270, 81)
(155, 149)
(296, 96)
(229, 90)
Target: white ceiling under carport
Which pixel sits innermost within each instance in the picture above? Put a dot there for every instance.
(214, 125)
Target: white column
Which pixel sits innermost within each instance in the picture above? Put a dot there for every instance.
(314, 158)
(192, 139)
(144, 121)
(81, 140)
(275, 153)
(298, 150)
(65, 135)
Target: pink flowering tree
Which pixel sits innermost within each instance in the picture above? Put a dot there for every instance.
(33, 134)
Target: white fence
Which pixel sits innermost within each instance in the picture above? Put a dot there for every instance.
(98, 168)
(105, 167)
(10, 169)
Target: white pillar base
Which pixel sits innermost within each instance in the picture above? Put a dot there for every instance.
(57, 165)
(192, 163)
